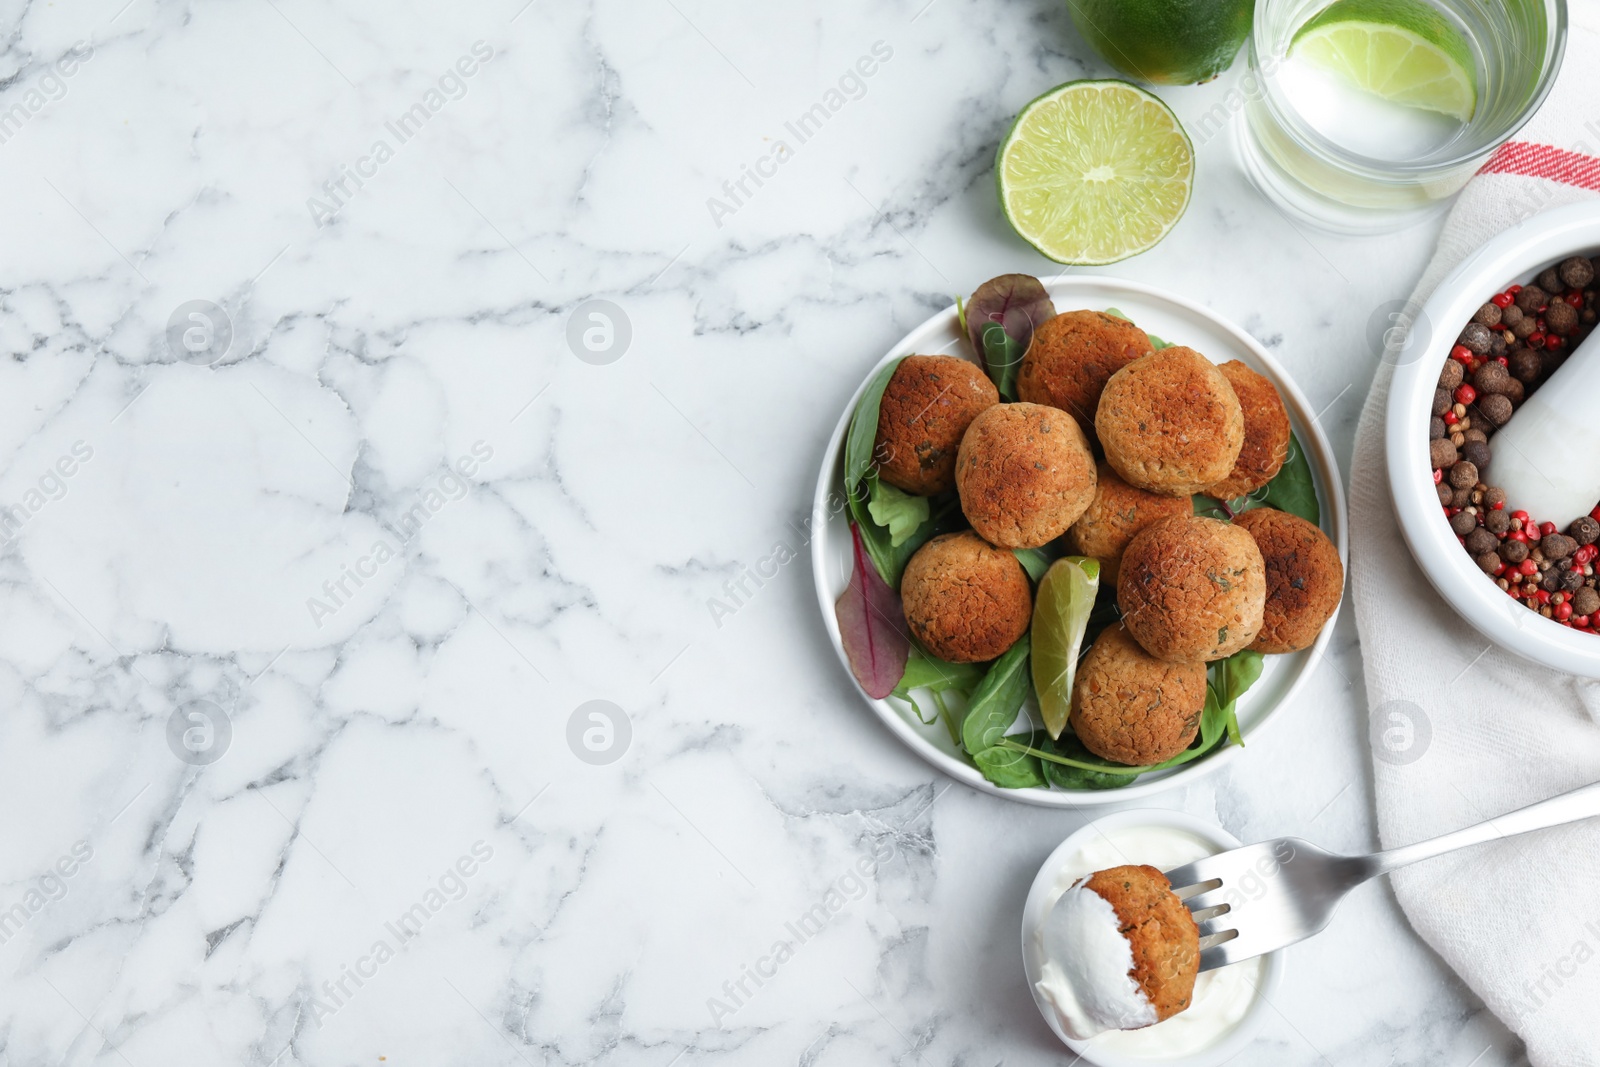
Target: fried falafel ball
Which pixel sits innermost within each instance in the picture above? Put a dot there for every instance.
(926, 408)
(1266, 433)
(1025, 474)
(1305, 579)
(1117, 512)
(964, 599)
(1192, 589)
(1170, 422)
(1160, 929)
(1072, 357)
(1130, 707)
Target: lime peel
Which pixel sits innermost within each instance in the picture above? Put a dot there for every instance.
(1061, 610)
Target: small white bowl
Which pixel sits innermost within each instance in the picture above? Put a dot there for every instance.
(1039, 896)
(1510, 258)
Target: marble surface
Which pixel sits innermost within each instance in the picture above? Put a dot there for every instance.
(299, 643)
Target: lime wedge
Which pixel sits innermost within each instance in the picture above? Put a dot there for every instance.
(1060, 614)
(1400, 50)
(1094, 171)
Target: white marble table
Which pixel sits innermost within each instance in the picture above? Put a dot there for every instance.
(400, 533)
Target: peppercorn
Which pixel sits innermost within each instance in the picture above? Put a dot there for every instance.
(1488, 562)
(1496, 408)
(1446, 494)
(1497, 344)
(1488, 315)
(1510, 316)
(1557, 546)
(1550, 582)
(1463, 522)
(1561, 319)
(1442, 454)
(1526, 365)
(1513, 552)
(1435, 428)
(1475, 339)
(1491, 378)
(1514, 391)
(1441, 402)
(1475, 434)
(1576, 272)
(1549, 280)
(1477, 454)
(1586, 601)
(1463, 475)
(1525, 327)
(1496, 522)
(1461, 498)
(1531, 299)
(1585, 531)
(1451, 375)
(1571, 580)
(1479, 540)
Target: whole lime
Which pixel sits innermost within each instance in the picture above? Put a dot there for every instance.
(1166, 42)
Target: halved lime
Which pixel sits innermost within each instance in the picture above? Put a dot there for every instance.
(1094, 171)
(1061, 610)
(1401, 50)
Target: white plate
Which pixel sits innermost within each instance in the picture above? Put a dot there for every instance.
(1042, 893)
(1177, 321)
(1509, 258)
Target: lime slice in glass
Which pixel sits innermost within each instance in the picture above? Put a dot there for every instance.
(1094, 171)
(1061, 610)
(1401, 50)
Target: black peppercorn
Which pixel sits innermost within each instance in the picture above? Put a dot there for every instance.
(1435, 428)
(1585, 601)
(1442, 453)
(1584, 530)
(1463, 475)
(1451, 375)
(1480, 540)
(1496, 408)
(1513, 551)
(1488, 562)
(1446, 494)
(1561, 318)
(1576, 272)
(1557, 546)
(1475, 338)
(1525, 365)
(1496, 522)
(1549, 280)
(1441, 401)
(1491, 378)
(1531, 299)
(1489, 315)
(1463, 523)
(1477, 453)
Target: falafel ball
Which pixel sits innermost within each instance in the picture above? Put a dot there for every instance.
(926, 408)
(1117, 512)
(1072, 357)
(1025, 474)
(1170, 422)
(1266, 433)
(1130, 707)
(1305, 579)
(1192, 589)
(964, 599)
(1160, 929)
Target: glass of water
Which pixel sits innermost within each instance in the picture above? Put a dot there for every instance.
(1352, 160)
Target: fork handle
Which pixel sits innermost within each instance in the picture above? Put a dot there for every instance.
(1581, 803)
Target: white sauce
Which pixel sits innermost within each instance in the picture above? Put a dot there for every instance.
(1221, 997)
(1547, 458)
(1086, 963)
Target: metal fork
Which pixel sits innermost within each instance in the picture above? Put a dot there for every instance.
(1259, 898)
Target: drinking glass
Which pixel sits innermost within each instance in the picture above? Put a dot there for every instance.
(1348, 161)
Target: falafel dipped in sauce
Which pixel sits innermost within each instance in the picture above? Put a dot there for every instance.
(1121, 952)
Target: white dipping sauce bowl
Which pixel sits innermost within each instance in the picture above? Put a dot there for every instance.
(1046, 889)
(1512, 257)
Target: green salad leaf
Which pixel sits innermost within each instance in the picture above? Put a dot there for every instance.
(997, 700)
(897, 511)
(1034, 560)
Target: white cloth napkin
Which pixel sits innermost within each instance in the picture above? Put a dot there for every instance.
(1519, 920)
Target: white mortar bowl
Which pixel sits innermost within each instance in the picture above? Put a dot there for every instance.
(1510, 258)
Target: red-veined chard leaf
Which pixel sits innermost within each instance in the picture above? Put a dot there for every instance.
(1000, 320)
(872, 625)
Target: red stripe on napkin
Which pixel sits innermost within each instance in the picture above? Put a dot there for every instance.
(1543, 161)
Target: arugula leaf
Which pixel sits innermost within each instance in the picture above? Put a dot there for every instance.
(997, 700)
(897, 510)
